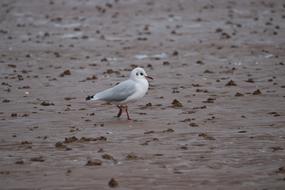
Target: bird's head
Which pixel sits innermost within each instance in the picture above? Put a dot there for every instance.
(139, 73)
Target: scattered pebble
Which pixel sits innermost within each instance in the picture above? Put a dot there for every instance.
(165, 63)
(83, 139)
(93, 77)
(12, 65)
(238, 94)
(209, 100)
(276, 148)
(87, 139)
(176, 104)
(225, 35)
(5, 172)
(47, 103)
(14, 114)
(60, 145)
(257, 92)
(148, 104)
(148, 132)
(113, 183)
(231, 83)
(69, 98)
(107, 157)
(132, 156)
(175, 53)
(281, 170)
(37, 159)
(94, 162)
(200, 62)
(19, 162)
(275, 114)
(193, 125)
(6, 101)
(65, 73)
(26, 142)
(100, 150)
(184, 147)
(202, 90)
(70, 139)
(111, 71)
(168, 130)
(208, 71)
(68, 171)
(206, 136)
(201, 107)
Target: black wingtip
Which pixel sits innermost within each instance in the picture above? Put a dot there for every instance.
(88, 98)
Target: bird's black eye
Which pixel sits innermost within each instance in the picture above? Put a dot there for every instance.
(141, 74)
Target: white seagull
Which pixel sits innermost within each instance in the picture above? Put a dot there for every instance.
(125, 92)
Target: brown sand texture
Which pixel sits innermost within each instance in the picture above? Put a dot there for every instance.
(213, 117)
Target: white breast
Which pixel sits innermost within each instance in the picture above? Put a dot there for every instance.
(141, 89)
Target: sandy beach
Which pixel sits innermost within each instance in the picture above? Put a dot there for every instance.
(213, 118)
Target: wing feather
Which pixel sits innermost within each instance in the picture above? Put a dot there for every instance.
(117, 93)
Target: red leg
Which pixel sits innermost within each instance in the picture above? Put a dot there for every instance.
(128, 113)
(120, 111)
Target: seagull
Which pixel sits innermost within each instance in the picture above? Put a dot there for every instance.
(125, 92)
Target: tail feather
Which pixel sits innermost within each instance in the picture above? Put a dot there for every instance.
(93, 97)
(89, 97)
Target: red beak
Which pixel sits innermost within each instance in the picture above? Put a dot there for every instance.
(149, 77)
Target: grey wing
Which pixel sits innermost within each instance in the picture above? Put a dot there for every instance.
(118, 93)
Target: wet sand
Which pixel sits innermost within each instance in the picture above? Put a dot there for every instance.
(223, 62)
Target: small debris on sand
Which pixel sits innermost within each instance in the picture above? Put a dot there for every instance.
(200, 62)
(184, 147)
(108, 157)
(148, 132)
(148, 104)
(281, 170)
(14, 114)
(209, 100)
(274, 113)
(60, 145)
(111, 71)
(250, 80)
(176, 104)
(83, 139)
(165, 63)
(37, 159)
(70, 139)
(94, 162)
(132, 156)
(257, 92)
(6, 101)
(47, 103)
(168, 130)
(175, 53)
(231, 83)
(206, 137)
(193, 125)
(93, 77)
(68, 171)
(238, 94)
(69, 98)
(19, 162)
(26, 142)
(208, 71)
(276, 148)
(113, 183)
(87, 139)
(65, 73)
